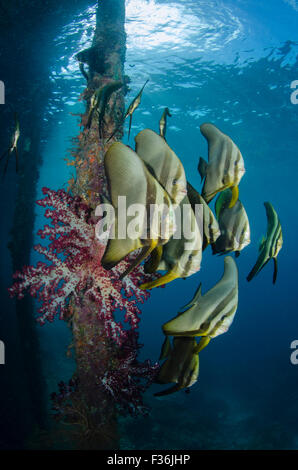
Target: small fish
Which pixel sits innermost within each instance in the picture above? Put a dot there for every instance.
(211, 230)
(130, 110)
(13, 147)
(134, 105)
(181, 257)
(128, 176)
(233, 224)
(225, 166)
(210, 314)
(99, 101)
(163, 123)
(181, 367)
(270, 245)
(163, 163)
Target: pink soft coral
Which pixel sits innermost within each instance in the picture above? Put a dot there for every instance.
(74, 268)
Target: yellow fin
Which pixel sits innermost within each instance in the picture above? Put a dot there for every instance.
(195, 299)
(170, 276)
(144, 253)
(204, 341)
(235, 196)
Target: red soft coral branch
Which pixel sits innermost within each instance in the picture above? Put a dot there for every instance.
(74, 266)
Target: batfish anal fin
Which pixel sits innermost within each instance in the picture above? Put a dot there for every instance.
(204, 341)
(144, 253)
(202, 168)
(197, 296)
(257, 267)
(17, 159)
(275, 270)
(165, 349)
(117, 250)
(262, 243)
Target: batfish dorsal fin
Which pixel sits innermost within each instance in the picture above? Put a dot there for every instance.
(262, 242)
(196, 297)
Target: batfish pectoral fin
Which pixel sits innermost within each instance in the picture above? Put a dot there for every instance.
(204, 341)
(152, 265)
(197, 296)
(275, 270)
(170, 276)
(202, 168)
(235, 196)
(117, 250)
(144, 253)
(170, 390)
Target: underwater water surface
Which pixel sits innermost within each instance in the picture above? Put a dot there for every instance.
(229, 62)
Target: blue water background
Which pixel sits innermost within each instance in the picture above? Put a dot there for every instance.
(230, 63)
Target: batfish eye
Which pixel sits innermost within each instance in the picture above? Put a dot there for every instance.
(190, 257)
(236, 163)
(210, 226)
(175, 181)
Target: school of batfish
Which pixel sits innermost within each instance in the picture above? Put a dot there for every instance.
(153, 174)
